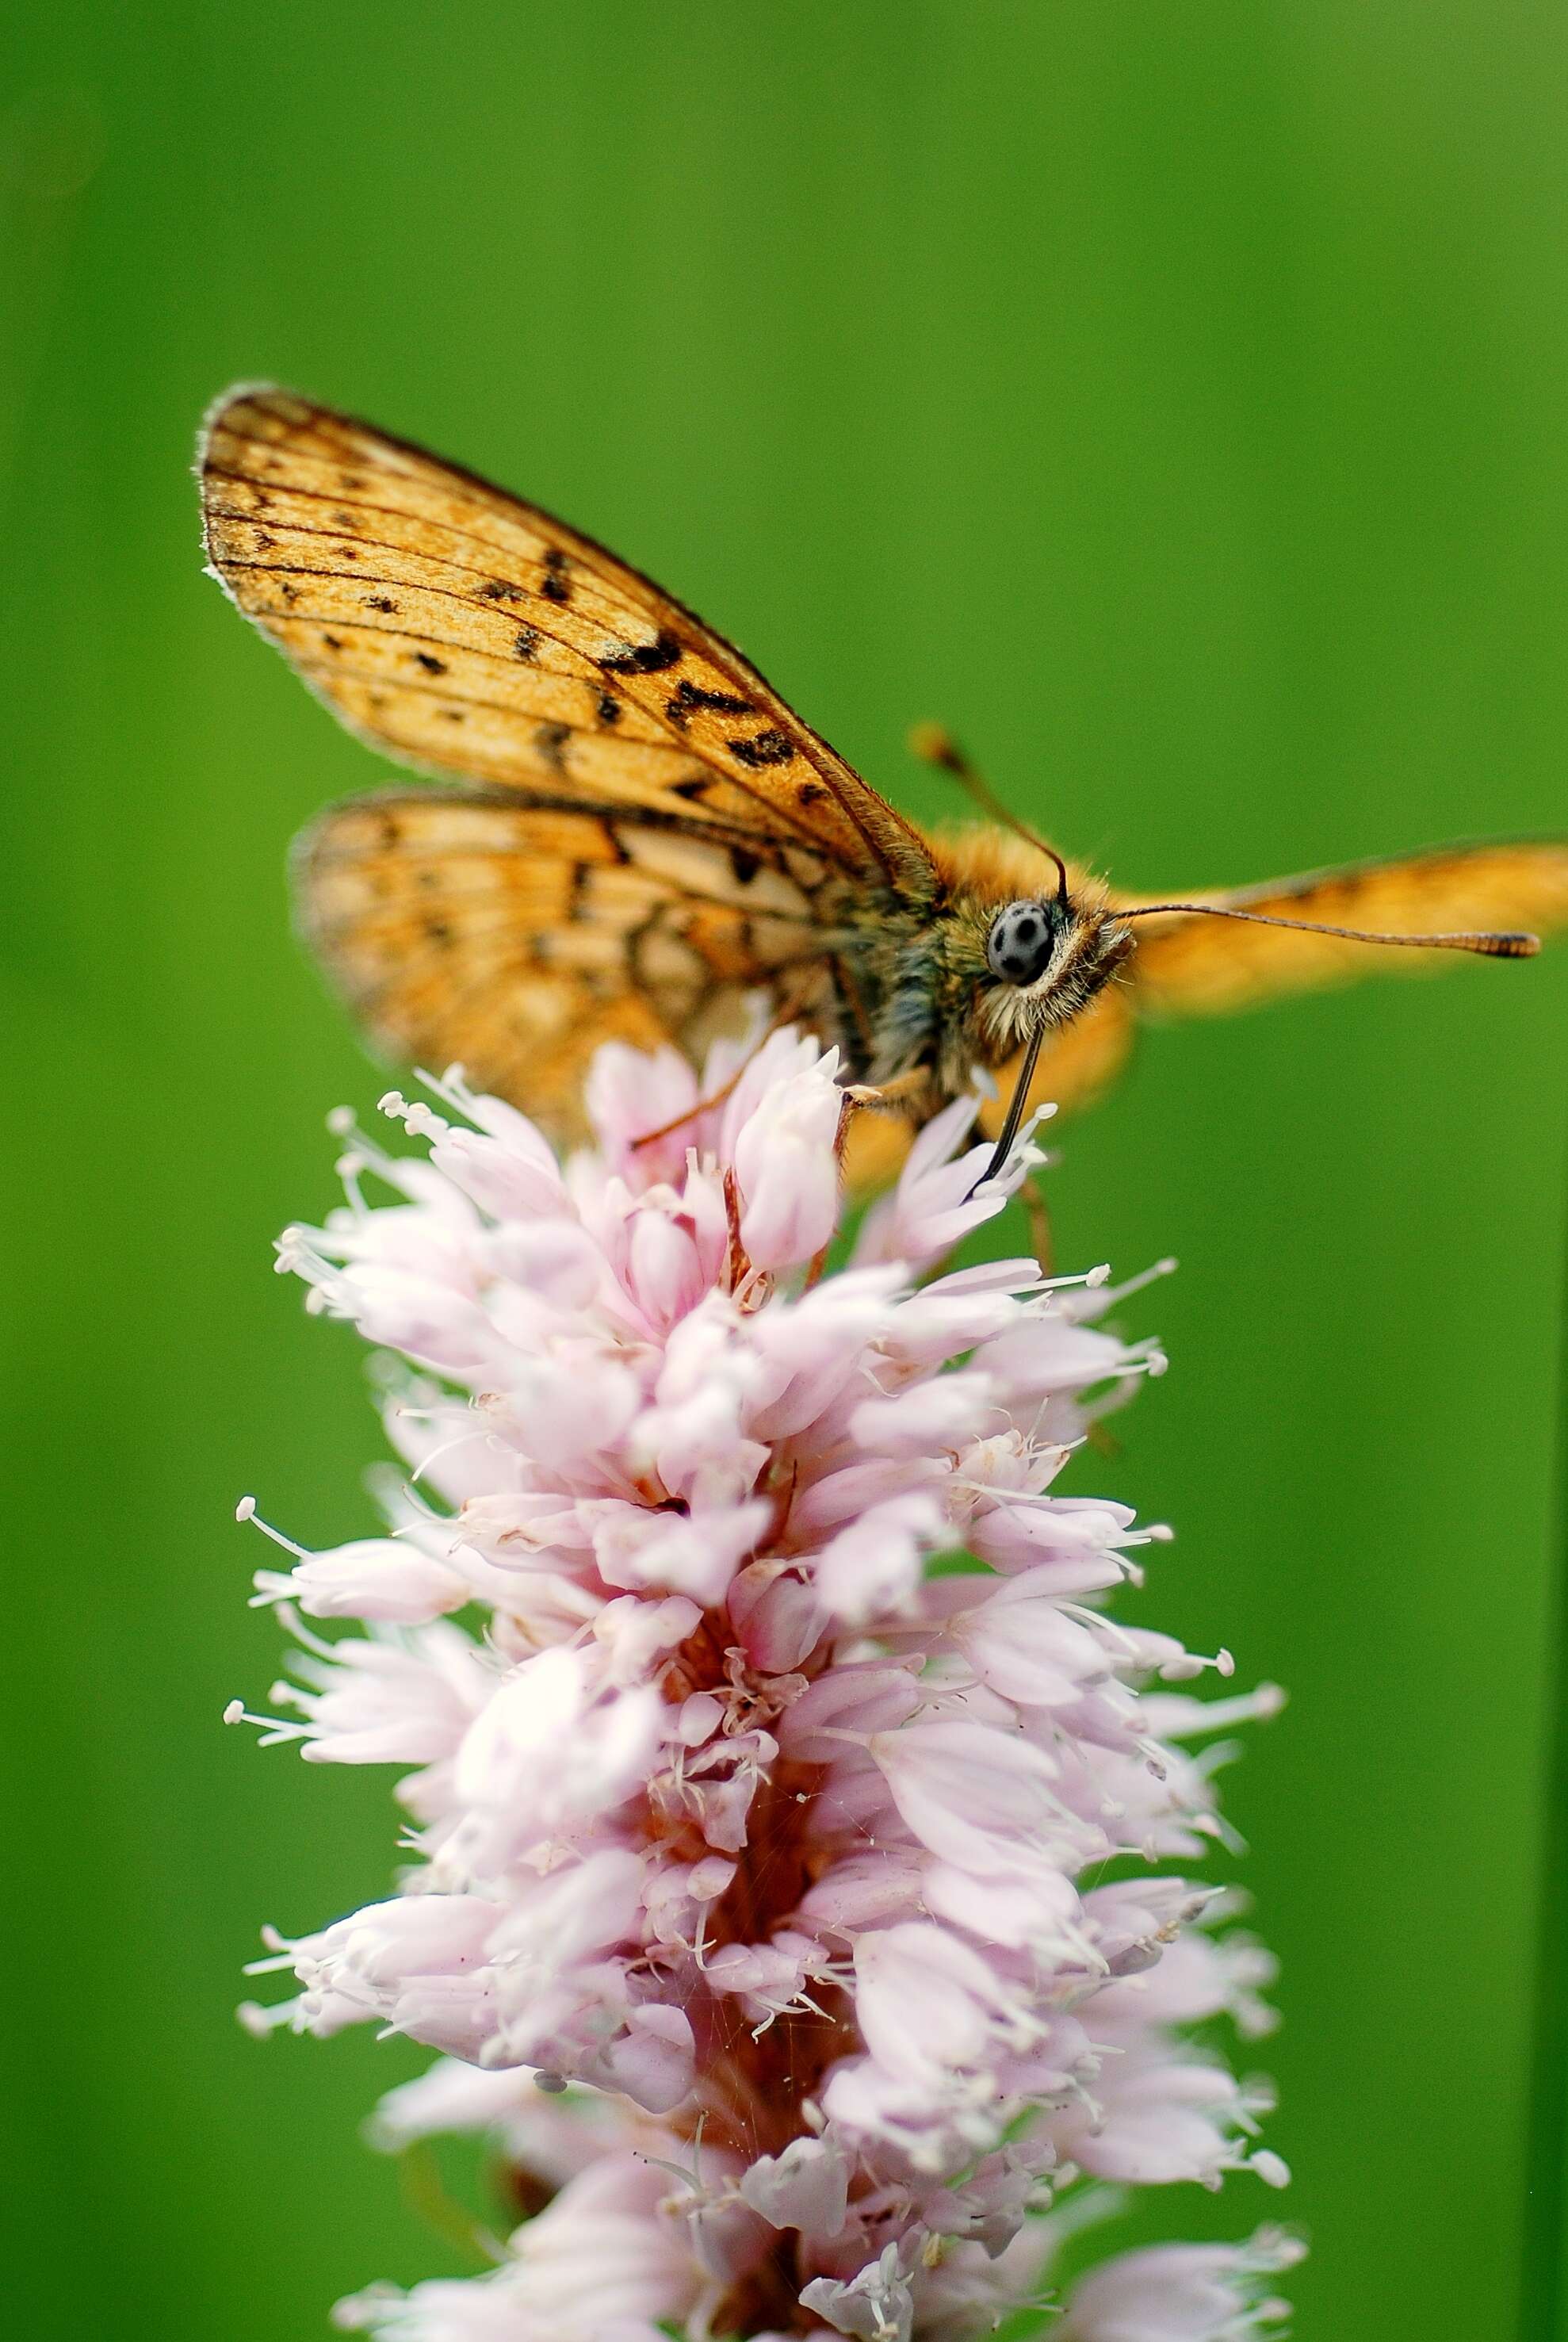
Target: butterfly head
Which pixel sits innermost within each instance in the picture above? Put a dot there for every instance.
(1045, 957)
(1029, 964)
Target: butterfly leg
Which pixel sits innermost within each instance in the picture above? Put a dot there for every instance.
(1037, 1212)
(703, 1105)
(894, 1094)
(776, 1023)
(869, 1098)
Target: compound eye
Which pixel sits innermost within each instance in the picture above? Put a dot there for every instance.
(1019, 946)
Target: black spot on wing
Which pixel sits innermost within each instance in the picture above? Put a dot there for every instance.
(524, 643)
(695, 788)
(643, 658)
(745, 864)
(687, 697)
(556, 586)
(379, 602)
(609, 707)
(769, 747)
(496, 589)
(551, 740)
(431, 664)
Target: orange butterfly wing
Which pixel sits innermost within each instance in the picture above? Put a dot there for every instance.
(648, 833)
(1194, 966)
(514, 936)
(467, 632)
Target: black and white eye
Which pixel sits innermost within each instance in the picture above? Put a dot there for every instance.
(1023, 936)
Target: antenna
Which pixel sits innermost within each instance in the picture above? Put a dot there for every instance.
(1488, 944)
(936, 745)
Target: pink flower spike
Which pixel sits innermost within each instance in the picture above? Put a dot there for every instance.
(876, 2306)
(547, 1753)
(847, 1704)
(630, 1095)
(787, 1171)
(1183, 2293)
(752, 1820)
(935, 1204)
(974, 1795)
(928, 2002)
(373, 1578)
(806, 2186)
(1026, 1645)
(871, 1568)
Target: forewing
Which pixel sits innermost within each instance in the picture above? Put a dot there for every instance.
(1195, 966)
(514, 938)
(468, 633)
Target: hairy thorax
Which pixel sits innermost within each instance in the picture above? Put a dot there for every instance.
(926, 1000)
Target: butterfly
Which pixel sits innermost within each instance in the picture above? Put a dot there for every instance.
(644, 837)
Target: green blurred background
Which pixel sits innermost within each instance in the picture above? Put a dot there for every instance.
(1170, 397)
